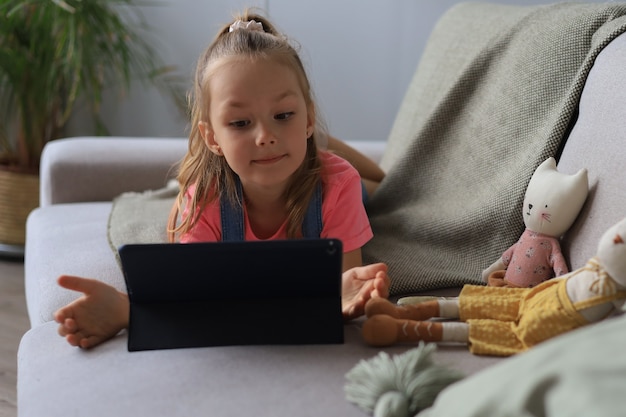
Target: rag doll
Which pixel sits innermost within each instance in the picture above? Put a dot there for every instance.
(502, 321)
(551, 203)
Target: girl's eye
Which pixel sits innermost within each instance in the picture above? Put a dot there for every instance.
(283, 116)
(239, 123)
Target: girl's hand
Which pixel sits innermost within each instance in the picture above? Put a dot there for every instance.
(101, 313)
(359, 284)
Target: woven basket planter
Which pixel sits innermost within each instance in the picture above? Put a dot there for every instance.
(19, 195)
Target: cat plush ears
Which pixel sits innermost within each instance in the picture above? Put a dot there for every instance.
(553, 199)
(577, 183)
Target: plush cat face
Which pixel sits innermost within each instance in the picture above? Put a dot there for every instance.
(612, 252)
(553, 200)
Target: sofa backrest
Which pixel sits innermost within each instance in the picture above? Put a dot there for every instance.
(598, 142)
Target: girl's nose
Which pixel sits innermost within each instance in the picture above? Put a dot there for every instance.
(265, 136)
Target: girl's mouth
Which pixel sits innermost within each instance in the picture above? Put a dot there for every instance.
(268, 160)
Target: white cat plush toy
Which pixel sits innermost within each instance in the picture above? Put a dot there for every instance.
(551, 204)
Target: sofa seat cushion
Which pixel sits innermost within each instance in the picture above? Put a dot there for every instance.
(66, 239)
(304, 380)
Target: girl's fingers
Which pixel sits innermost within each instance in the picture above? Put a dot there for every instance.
(63, 315)
(84, 285)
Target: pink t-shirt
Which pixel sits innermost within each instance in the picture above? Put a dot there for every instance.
(343, 213)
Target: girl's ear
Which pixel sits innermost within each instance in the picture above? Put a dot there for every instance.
(209, 137)
(310, 122)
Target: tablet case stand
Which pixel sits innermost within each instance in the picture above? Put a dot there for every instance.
(233, 293)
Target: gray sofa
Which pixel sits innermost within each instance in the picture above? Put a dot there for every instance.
(68, 235)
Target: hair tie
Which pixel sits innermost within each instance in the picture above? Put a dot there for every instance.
(250, 25)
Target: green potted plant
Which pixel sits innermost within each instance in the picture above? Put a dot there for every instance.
(55, 55)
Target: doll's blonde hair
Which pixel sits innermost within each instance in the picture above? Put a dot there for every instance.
(210, 173)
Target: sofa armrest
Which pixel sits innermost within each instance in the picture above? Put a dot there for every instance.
(86, 169)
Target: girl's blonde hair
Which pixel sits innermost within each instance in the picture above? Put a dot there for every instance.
(211, 175)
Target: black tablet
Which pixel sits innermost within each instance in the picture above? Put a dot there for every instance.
(233, 293)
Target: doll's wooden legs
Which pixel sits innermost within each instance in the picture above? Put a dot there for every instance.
(421, 311)
(384, 330)
(388, 323)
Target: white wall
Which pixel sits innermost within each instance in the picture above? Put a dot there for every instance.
(360, 55)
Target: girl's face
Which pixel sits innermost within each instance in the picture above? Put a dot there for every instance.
(258, 120)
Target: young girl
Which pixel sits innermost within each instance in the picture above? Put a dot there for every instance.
(253, 172)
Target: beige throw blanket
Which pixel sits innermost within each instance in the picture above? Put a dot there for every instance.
(494, 95)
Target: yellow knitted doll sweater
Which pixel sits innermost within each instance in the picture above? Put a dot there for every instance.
(505, 321)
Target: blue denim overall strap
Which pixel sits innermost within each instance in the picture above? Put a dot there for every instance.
(233, 226)
(233, 223)
(312, 224)
(364, 194)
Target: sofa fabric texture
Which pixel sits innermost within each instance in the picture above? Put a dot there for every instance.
(494, 95)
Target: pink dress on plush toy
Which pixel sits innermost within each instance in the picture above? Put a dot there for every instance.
(534, 258)
(551, 204)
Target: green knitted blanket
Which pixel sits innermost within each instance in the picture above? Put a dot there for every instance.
(140, 217)
(494, 95)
